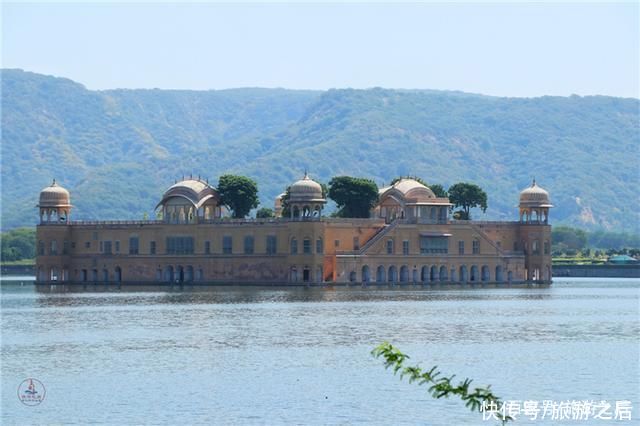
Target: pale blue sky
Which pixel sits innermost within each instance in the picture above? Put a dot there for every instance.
(496, 49)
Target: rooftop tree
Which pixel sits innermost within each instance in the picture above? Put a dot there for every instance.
(438, 190)
(467, 196)
(354, 197)
(264, 213)
(239, 193)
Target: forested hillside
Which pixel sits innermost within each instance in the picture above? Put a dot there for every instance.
(117, 150)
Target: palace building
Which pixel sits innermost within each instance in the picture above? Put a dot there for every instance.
(409, 238)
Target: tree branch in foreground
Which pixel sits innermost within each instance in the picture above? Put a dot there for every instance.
(440, 385)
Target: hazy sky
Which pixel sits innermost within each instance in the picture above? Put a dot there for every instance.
(497, 49)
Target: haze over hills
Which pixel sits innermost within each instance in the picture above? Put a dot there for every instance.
(117, 150)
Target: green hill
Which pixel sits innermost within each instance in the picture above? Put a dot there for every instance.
(117, 150)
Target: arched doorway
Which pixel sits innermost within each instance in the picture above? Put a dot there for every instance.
(499, 277)
(118, 274)
(433, 273)
(392, 276)
(485, 273)
(463, 274)
(188, 274)
(474, 273)
(443, 273)
(366, 274)
(352, 276)
(380, 274)
(404, 274)
(424, 274)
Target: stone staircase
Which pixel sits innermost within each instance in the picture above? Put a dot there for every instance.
(380, 234)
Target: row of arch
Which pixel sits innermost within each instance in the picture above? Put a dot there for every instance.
(179, 274)
(305, 211)
(305, 274)
(187, 213)
(96, 275)
(433, 273)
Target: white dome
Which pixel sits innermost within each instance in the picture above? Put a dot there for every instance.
(535, 196)
(305, 189)
(54, 196)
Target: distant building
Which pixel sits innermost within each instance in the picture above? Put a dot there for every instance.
(622, 259)
(410, 238)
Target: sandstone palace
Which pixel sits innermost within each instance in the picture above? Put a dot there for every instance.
(410, 237)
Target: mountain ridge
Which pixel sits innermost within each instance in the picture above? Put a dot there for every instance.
(116, 150)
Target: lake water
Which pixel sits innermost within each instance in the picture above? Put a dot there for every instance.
(234, 355)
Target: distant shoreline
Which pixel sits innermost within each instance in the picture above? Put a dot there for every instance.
(596, 271)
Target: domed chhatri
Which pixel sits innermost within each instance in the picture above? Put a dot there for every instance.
(306, 189)
(409, 199)
(55, 204)
(190, 200)
(534, 204)
(305, 198)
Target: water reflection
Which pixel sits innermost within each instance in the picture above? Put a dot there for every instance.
(272, 354)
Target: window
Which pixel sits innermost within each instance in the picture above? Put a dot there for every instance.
(134, 244)
(356, 243)
(336, 243)
(476, 246)
(207, 247)
(73, 245)
(460, 247)
(95, 236)
(227, 244)
(272, 244)
(319, 246)
(248, 244)
(405, 247)
(117, 246)
(41, 248)
(442, 214)
(152, 247)
(389, 246)
(430, 245)
(294, 246)
(546, 247)
(535, 247)
(179, 245)
(87, 244)
(65, 247)
(107, 247)
(53, 248)
(306, 246)
(101, 246)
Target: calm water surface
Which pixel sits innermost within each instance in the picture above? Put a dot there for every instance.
(235, 355)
